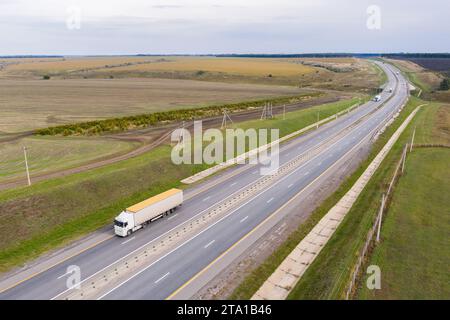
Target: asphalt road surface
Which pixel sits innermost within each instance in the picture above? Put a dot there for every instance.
(176, 271)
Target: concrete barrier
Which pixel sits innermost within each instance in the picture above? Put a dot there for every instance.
(253, 153)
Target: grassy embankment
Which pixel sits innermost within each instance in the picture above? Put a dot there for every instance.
(47, 154)
(328, 276)
(426, 81)
(323, 280)
(51, 213)
(414, 252)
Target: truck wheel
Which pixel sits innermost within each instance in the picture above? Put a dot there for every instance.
(129, 232)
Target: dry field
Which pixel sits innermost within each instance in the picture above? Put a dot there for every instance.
(37, 67)
(427, 80)
(249, 67)
(30, 104)
(332, 73)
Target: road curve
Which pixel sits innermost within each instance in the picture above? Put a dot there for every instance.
(189, 266)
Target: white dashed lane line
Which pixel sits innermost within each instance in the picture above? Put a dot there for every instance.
(210, 243)
(162, 277)
(126, 241)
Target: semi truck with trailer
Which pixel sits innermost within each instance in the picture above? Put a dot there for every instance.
(141, 214)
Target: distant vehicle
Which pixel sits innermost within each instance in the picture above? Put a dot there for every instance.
(377, 98)
(390, 90)
(141, 214)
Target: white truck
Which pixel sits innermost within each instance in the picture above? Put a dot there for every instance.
(377, 98)
(141, 214)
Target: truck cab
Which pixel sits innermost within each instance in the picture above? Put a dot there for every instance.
(124, 224)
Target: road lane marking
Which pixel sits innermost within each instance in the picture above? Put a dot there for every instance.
(266, 219)
(306, 173)
(65, 274)
(290, 185)
(208, 197)
(171, 217)
(270, 200)
(209, 243)
(57, 263)
(77, 253)
(201, 232)
(233, 184)
(126, 241)
(244, 219)
(162, 277)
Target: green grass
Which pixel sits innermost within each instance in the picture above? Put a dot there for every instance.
(51, 213)
(317, 283)
(414, 253)
(328, 276)
(47, 154)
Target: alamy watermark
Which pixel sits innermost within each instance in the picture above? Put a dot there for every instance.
(73, 280)
(374, 17)
(374, 279)
(214, 146)
(73, 20)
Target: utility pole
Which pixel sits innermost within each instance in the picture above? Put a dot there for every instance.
(224, 119)
(264, 112)
(381, 217)
(26, 165)
(181, 137)
(412, 139)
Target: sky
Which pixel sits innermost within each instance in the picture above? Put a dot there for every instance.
(96, 27)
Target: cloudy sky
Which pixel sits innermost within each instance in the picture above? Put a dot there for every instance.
(222, 26)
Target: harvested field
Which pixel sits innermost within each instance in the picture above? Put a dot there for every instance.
(348, 74)
(30, 104)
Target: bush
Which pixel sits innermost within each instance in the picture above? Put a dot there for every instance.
(144, 120)
(444, 85)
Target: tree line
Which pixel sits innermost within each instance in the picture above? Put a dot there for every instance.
(119, 124)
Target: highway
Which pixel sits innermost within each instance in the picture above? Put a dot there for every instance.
(175, 273)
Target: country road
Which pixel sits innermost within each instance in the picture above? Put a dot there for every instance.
(182, 268)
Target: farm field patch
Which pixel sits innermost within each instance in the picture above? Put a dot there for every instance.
(31, 104)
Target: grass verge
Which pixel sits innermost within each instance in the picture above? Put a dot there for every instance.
(414, 252)
(328, 276)
(257, 277)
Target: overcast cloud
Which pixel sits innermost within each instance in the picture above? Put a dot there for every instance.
(227, 26)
